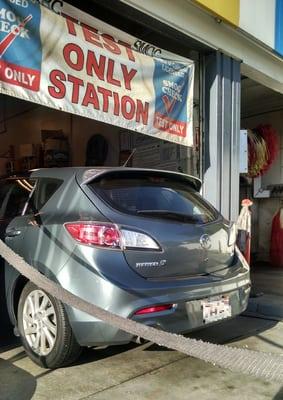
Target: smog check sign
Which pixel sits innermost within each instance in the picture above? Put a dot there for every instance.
(171, 81)
(20, 45)
(58, 62)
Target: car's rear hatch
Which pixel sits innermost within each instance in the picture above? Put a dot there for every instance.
(167, 207)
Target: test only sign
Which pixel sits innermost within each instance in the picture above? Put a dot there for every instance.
(58, 61)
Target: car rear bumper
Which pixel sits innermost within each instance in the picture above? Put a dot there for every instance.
(185, 295)
(184, 318)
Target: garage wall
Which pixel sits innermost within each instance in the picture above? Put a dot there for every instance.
(23, 124)
(83, 129)
(263, 210)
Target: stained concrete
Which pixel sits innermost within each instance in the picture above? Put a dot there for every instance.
(148, 371)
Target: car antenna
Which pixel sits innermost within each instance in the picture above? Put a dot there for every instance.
(130, 156)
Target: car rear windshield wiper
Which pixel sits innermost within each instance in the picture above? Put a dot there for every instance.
(171, 215)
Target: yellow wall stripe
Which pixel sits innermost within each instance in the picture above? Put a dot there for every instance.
(228, 10)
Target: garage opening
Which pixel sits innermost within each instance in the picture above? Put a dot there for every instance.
(262, 117)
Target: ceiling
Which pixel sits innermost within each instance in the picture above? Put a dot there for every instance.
(258, 99)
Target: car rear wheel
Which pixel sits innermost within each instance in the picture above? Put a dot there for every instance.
(45, 330)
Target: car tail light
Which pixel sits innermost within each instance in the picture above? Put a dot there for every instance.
(109, 235)
(154, 309)
(106, 235)
(138, 240)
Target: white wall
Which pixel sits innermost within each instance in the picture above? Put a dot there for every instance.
(258, 19)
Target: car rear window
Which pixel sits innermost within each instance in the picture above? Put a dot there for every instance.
(155, 196)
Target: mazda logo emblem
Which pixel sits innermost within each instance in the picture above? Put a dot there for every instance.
(205, 241)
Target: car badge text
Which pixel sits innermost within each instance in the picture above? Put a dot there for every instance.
(160, 263)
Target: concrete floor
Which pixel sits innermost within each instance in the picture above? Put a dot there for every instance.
(150, 372)
(267, 279)
(147, 372)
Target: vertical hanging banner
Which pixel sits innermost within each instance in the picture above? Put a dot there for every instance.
(68, 65)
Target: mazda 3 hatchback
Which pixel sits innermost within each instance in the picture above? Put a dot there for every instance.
(140, 243)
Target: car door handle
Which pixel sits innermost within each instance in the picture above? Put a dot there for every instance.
(12, 232)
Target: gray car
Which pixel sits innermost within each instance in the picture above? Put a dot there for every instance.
(140, 243)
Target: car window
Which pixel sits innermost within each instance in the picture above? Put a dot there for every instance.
(18, 197)
(45, 188)
(155, 196)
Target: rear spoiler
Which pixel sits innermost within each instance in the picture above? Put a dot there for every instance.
(93, 174)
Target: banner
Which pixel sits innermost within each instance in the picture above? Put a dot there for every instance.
(57, 62)
(137, 44)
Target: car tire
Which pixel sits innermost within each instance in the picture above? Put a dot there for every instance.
(45, 330)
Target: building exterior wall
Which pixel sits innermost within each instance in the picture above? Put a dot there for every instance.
(261, 19)
(257, 18)
(258, 61)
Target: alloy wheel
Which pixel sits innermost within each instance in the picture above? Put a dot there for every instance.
(39, 322)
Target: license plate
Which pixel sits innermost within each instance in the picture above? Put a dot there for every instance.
(215, 309)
